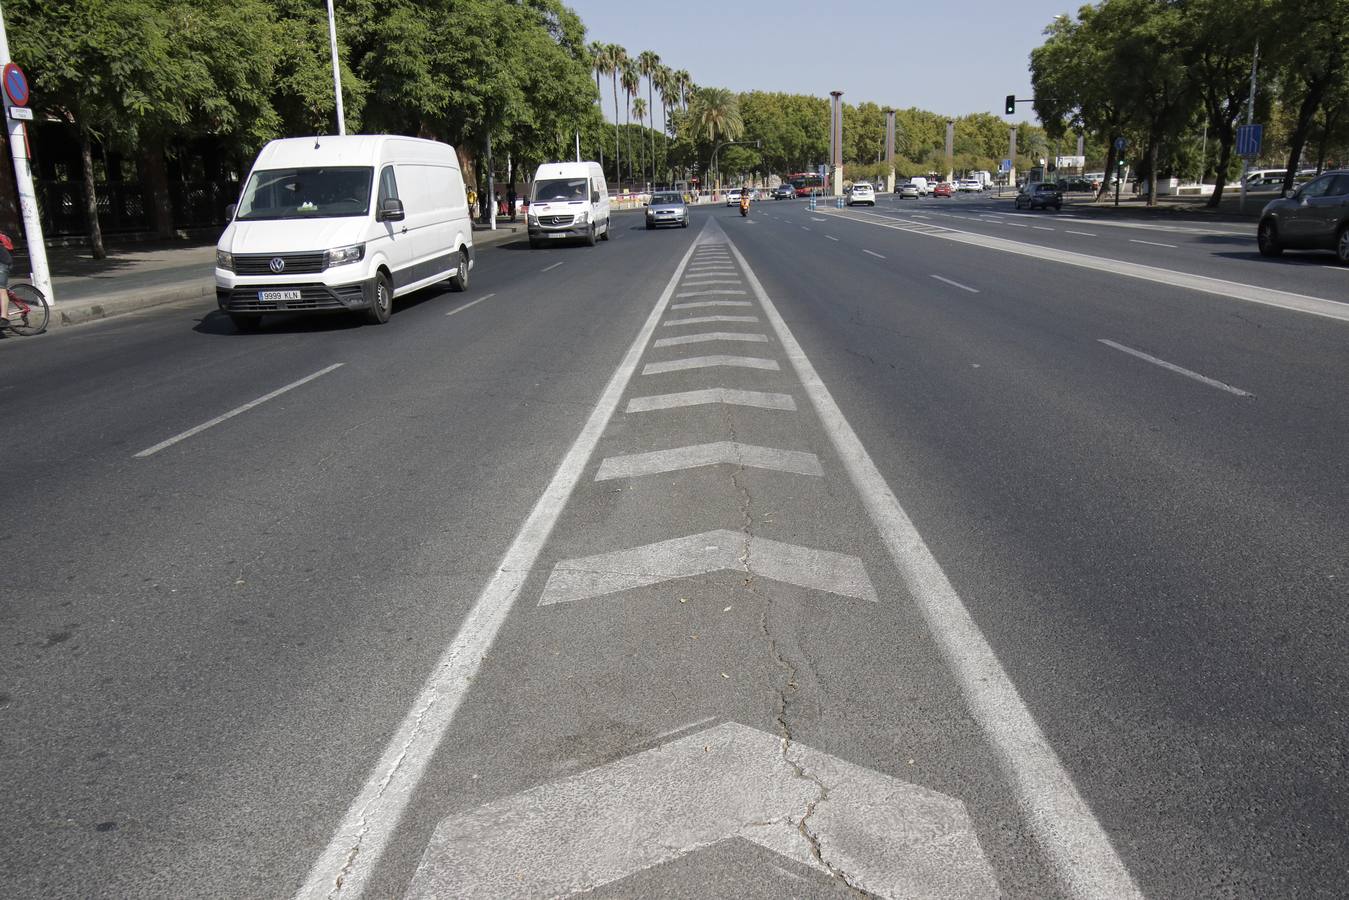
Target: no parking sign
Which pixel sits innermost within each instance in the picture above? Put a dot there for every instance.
(16, 84)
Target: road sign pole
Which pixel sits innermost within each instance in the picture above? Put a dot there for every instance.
(337, 74)
(23, 172)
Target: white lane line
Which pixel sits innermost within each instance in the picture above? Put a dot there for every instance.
(345, 866)
(469, 305)
(713, 293)
(1082, 233)
(710, 362)
(1211, 382)
(1337, 268)
(150, 451)
(700, 320)
(677, 459)
(707, 396)
(874, 253)
(957, 284)
(1075, 844)
(698, 304)
(1013, 224)
(1041, 228)
(831, 237)
(817, 219)
(805, 228)
(1151, 243)
(550, 268)
(710, 336)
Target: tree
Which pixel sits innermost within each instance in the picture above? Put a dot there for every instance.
(618, 59)
(715, 116)
(1313, 57)
(631, 80)
(648, 63)
(639, 110)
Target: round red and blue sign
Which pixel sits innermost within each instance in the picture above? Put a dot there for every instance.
(16, 84)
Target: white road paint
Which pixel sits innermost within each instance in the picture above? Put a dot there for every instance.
(702, 320)
(818, 219)
(727, 396)
(723, 550)
(892, 839)
(874, 253)
(1179, 370)
(345, 866)
(703, 282)
(1041, 228)
(710, 362)
(956, 284)
(698, 304)
(710, 336)
(470, 305)
(831, 237)
(805, 228)
(717, 292)
(150, 451)
(1286, 300)
(1075, 845)
(1151, 243)
(552, 267)
(1082, 233)
(697, 456)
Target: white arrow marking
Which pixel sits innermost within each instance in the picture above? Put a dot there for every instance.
(635, 465)
(712, 336)
(713, 293)
(759, 399)
(710, 362)
(697, 304)
(700, 554)
(698, 320)
(884, 836)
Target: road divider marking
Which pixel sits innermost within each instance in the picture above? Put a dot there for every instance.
(1151, 243)
(345, 865)
(697, 456)
(710, 362)
(706, 396)
(697, 304)
(470, 305)
(874, 253)
(573, 580)
(551, 268)
(712, 293)
(1179, 370)
(956, 284)
(1082, 233)
(700, 320)
(708, 337)
(1076, 847)
(703, 282)
(831, 237)
(805, 228)
(818, 219)
(191, 432)
(1041, 228)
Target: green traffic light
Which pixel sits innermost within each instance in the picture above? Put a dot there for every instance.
(1011, 104)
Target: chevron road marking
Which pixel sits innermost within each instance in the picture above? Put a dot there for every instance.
(699, 320)
(712, 293)
(712, 336)
(710, 362)
(652, 462)
(696, 304)
(574, 580)
(890, 838)
(759, 399)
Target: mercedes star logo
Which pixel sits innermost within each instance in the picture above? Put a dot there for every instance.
(277, 265)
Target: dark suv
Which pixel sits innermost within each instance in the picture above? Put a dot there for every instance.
(784, 192)
(1043, 194)
(1314, 217)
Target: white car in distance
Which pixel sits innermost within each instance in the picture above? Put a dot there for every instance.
(969, 185)
(862, 193)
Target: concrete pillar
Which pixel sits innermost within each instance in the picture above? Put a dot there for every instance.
(837, 161)
(950, 151)
(890, 150)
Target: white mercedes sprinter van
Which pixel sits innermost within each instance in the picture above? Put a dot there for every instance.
(343, 223)
(569, 200)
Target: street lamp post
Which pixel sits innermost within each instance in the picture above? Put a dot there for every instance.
(337, 75)
(23, 176)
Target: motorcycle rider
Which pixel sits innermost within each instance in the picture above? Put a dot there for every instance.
(744, 201)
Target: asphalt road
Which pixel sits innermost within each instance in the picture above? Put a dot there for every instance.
(817, 552)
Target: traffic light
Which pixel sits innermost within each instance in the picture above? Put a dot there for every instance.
(1011, 104)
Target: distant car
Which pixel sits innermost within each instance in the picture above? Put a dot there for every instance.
(1042, 194)
(969, 185)
(784, 192)
(942, 190)
(907, 190)
(1314, 217)
(862, 193)
(733, 196)
(667, 208)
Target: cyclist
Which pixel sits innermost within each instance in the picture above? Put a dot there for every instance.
(6, 262)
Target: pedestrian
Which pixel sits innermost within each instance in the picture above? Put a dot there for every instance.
(472, 202)
(6, 262)
(510, 200)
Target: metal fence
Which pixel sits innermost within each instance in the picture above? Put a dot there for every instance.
(124, 207)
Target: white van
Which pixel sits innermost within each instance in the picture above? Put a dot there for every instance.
(921, 183)
(343, 223)
(569, 200)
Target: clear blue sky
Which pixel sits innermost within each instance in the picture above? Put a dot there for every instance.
(951, 58)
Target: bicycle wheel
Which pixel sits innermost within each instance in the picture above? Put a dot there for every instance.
(34, 321)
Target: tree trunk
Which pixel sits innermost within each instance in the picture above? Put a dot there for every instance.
(155, 184)
(1152, 171)
(1110, 173)
(1315, 91)
(618, 154)
(1225, 138)
(90, 194)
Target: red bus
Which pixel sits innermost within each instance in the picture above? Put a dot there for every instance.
(805, 182)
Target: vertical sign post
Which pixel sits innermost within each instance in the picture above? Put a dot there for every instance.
(16, 104)
(337, 75)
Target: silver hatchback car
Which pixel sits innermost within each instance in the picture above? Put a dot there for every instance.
(666, 208)
(1314, 217)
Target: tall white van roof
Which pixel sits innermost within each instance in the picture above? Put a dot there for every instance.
(566, 170)
(352, 150)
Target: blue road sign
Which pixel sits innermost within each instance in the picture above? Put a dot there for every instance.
(1005, 166)
(16, 84)
(1120, 143)
(1249, 139)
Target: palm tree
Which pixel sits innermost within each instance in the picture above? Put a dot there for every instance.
(632, 82)
(618, 59)
(639, 110)
(684, 87)
(602, 60)
(649, 64)
(664, 79)
(716, 116)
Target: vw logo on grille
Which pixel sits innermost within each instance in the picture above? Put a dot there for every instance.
(277, 265)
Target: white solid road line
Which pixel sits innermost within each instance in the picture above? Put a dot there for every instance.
(468, 305)
(874, 253)
(956, 284)
(710, 362)
(1151, 243)
(1076, 847)
(345, 866)
(1083, 233)
(1041, 228)
(1211, 382)
(550, 268)
(150, 451)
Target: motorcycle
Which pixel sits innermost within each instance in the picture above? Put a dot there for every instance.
(744, 206)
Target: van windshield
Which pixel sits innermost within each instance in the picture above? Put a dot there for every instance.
(560, 189)
(317, 193)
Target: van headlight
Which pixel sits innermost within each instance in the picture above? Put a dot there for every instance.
(343, 255)
(224, 260)
(582, 218)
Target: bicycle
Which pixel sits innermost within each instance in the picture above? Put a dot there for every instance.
(29, 310)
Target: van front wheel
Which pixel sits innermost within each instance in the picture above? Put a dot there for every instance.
(605, 236)
(590, 236)
(382, 306)
(459, 280)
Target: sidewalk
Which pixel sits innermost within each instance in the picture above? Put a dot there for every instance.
(138, 276)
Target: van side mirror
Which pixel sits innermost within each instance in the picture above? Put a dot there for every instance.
(390, 210)
(594, 196)
(230, 211)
